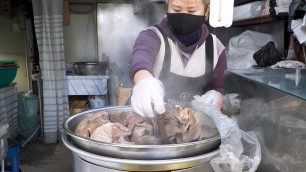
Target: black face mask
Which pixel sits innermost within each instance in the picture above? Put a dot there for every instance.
(184, 24)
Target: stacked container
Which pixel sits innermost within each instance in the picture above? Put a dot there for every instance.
(3, 140)
(8, 71)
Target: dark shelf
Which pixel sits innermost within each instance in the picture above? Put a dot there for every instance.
(260, 20)
(241, 2)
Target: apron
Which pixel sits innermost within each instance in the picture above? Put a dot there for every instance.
(179, 90)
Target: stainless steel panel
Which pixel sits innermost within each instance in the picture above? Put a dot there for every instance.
(119, 25)
(274, 107)
(156, 11)
(118, 28)
(80, 165)
(144, 152)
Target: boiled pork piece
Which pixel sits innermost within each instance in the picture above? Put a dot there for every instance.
(178, 125)
(105, 115)
(81, 129)
(93, 124)
(191, 127)
(89, 124)
(111, 133)
(142, 128)
(128, 119)
(147, 140)
(143, 134)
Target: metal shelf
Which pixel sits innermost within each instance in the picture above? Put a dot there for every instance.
(261, 20)
(241, 2)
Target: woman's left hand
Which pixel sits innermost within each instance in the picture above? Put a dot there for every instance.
(213, 98)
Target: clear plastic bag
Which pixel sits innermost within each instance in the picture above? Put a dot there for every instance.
(241, 48)
(28, 118)
(239, 151)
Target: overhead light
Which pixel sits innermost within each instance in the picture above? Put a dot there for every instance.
(221, 13)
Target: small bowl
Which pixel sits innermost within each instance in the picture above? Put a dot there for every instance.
(90, 68)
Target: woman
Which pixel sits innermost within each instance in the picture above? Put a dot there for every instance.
(177, 59)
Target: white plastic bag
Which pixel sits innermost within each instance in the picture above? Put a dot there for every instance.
(242, 47)
(239, 151)
(298, 30)
(290, 64)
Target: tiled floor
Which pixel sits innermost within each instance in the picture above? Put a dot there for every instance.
(41, 157)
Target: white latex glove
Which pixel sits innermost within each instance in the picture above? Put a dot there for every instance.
(148, 97)
(213, 98)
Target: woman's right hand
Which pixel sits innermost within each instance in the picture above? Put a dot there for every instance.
(148, 97)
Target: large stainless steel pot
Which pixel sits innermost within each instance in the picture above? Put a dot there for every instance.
(143, 152)
(90, 162)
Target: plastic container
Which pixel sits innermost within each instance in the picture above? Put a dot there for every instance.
(7, 61)
(122, 95)
(7, 74)
(96, 102)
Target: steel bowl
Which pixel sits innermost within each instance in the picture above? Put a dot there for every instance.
(90, 68)
(140, 152)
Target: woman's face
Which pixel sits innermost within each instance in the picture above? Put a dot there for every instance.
(195, 7)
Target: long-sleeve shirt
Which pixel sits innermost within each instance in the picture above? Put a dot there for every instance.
(147, 45)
